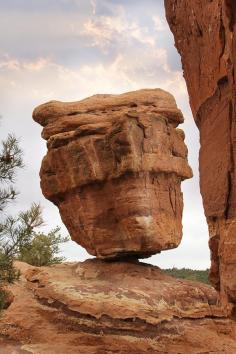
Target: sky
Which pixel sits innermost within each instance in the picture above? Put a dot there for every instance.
(71, 49)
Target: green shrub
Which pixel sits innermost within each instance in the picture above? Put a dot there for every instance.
(43, 249)
(22, 240)
(19, 236)
(10, 161)
(8, 273)
(3, 299)
(190, 274)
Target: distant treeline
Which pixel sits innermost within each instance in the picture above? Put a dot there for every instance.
(190, 274)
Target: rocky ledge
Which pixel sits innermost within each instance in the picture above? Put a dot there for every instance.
(112, 307)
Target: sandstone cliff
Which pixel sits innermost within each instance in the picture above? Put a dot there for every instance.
(114, 168)
(205, 36)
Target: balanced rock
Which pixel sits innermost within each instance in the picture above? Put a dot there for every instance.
(205, 36)
(114, 167)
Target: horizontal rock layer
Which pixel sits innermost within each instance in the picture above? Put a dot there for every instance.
(205, 36)
(114, 167)
(105, 307)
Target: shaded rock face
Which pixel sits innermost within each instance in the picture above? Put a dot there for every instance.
(205, 36)
(113, 307)
(114, 168)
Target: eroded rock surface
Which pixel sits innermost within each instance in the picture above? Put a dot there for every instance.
(205, 36)
(112, 307)
(114, 168)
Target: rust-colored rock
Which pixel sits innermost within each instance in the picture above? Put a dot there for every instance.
(205, 36)
(114, 168)
(99, 307)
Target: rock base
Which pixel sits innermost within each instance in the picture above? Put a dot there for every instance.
(113, 307)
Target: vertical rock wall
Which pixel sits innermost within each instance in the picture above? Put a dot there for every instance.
(205, 36)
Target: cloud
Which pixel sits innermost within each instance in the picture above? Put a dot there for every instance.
(159, 24)
(17, 65)
(45, 79)
(106, 31)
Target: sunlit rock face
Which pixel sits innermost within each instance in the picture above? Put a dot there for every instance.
(114, 167)
(205, 36)
(98, 307)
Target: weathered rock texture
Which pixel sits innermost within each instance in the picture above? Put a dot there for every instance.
(114, 168)
(121, 307)
(205, 36)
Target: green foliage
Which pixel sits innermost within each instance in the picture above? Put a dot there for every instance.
(3, 299)
(43, 249)
(8, 273)
(20, 238)
(17, 232)
(10, 160)
(185, 273)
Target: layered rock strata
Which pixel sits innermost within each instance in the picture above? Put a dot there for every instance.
(114, 167)
(205, 36)
(112, 307)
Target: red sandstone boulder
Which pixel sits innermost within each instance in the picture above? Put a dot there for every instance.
(114, 168)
